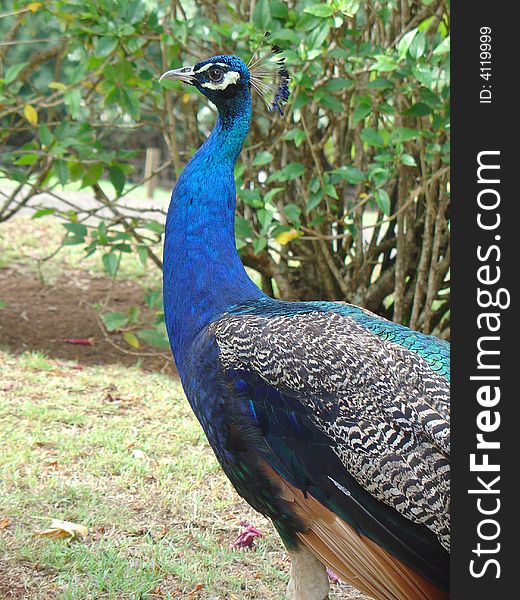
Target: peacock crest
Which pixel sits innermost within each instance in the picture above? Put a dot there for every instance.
(269, 77)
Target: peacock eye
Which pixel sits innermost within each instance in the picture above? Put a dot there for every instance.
(215, 74)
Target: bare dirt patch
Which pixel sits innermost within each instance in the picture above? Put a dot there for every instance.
(38, 317)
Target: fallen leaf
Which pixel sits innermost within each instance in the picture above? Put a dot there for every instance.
(334, 578)
(79, 341)
(5, 522)
(131, 339)
(247, 538)
(164, 532)
(195, 591)
(63, 529)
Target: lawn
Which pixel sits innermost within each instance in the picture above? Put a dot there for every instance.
(107, 442)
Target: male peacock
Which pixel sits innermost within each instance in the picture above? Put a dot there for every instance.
(328, 419)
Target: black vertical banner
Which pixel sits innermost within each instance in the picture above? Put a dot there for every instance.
(486, 237)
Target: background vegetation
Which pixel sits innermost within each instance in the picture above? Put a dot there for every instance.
(346, 197)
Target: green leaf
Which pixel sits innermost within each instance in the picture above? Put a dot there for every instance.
(117, 179)
(297, 135)
(408, 160)
(272, 193)
(292, 212)
(142, 252)
(380, 84)
(27, 159)
(262, 15)
(93, 174)
(348, 7)
(404, 134)
(133, 314)
(286, 36)
(372, 137)
(430, 98)
(111, 263)
(350, 174)
(265, 218)
(338, 83)
(314, 200)
(443, 47)
(360, 113)
(331, 102)
(259, 244)
(12, 72)
(424, 74)
(405, 42)
(243, 228)
(291, 171)
(114, 320)
(417, 110)
(317, 37)
(153, 298)
(76, 228)
(330, 190)
(130, 101)
(279, 10)
(105, 45)
(239, 170)
(62, 171)
(46, 137)
(251, 197)
(383, 200)
(262, 158)
(320, 10)
(72, 100)
(155, 226)
(384, 63)
(418, 46)
(43, 212)
(154, 338)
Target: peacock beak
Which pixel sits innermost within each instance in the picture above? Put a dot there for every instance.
(183, 74)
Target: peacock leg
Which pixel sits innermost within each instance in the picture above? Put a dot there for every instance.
(309, 579)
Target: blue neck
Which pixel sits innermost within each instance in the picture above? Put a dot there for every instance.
(202, 272)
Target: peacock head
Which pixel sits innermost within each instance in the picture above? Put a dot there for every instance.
(223, 79)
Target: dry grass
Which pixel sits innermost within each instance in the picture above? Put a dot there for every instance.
(117, 449)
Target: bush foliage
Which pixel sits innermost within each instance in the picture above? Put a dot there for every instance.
(345, 197)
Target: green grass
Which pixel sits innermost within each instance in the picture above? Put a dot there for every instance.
(27, 243)
(119, 451)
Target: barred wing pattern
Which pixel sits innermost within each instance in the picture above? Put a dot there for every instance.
(383, 408)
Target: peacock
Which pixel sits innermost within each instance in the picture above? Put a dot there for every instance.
(328, 419)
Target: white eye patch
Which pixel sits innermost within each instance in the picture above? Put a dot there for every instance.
(230, 77)
(208, 66)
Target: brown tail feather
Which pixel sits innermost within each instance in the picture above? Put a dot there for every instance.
(354, 557)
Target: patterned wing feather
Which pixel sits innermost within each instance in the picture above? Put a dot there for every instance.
(381, 408)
